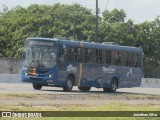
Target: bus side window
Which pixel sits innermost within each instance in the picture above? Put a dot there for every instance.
(82, 55)
(133, 59)
(119, 60)
(93, 55)
(104, 56)
(139, 60)
(98, 56)
(86, 55)
(124, 58)
(63, 56)
(128, 59)
(71, 54)
(88, 58)
(97, 59)
(136, 60)
(77, 54)
(108, 57)
(114, 57)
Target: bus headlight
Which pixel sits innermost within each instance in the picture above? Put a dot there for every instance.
(25, 74)
(50, 75)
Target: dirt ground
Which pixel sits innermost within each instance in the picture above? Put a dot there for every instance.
(91, 99)
(25, 95)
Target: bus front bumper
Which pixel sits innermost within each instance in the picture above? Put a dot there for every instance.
(38, 80)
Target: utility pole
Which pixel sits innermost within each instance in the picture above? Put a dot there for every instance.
(96, 31)
(74, 28)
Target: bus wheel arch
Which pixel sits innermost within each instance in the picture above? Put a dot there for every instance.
(69, 83)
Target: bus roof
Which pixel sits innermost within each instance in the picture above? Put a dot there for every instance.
(101, 46)
(40, 38)
(90, 44)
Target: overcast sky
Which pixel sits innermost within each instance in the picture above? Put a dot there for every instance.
(137, 10)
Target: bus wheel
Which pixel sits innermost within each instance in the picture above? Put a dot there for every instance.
(113, 86)
(68, 87)
(37, 87)
(84, 89)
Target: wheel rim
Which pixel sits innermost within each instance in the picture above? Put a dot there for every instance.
(69, 83)
(114, 86)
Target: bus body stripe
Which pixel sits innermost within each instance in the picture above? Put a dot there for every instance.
(79, 74)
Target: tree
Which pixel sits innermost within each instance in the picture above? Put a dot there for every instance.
(148, 37)
(77, 22)
(114, 16)
(43, 21)
(113, 28)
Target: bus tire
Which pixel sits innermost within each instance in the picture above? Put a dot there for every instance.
(37, 87)
(68, 87)
(113, 87)
(84, 89)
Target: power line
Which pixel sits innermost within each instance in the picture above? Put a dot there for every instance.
(107, 4)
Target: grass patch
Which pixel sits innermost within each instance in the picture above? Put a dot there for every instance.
(86, 118)
(113, 104)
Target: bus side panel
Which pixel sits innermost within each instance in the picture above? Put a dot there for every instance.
(71, 69)
(135, 77)
(62, 73)
(121, 72)
(102, 75)
(129, 77)
(93, 76)
(89, 76)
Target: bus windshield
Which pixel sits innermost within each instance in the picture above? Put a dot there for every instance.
(38, 56)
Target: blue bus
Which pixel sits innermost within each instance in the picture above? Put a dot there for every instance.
(66, 63)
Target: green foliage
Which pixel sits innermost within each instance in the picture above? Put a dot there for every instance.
(114, 16)
(76, 22)
(147, 36)
(43, 21)
(117, 32)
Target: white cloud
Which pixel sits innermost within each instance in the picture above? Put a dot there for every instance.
(137, 10)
